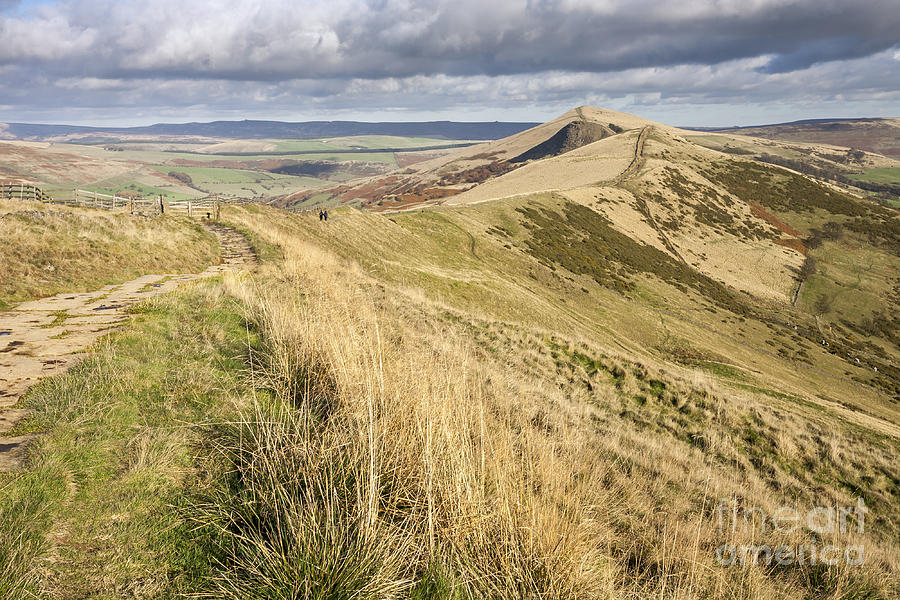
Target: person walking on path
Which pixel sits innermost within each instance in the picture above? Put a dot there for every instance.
(325, 214)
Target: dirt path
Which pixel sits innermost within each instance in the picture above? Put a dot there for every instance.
(45, 337)
(637, 161)
(630, 171)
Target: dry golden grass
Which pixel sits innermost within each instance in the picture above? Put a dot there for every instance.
(586, 166)
(47, 249)
(413, 450)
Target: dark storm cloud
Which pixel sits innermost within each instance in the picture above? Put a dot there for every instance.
(511, 37)
(271, 40)
(440, 55)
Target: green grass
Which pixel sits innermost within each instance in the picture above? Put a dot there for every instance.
(856, 280)
(59, 317)
(242, 182)
(139, 188)
(201, 175)
(117, 457)
(879, 175)
(144, 182)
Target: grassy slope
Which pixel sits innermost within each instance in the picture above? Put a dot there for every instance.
(98, 513)
(137, 182)
(623, 370)
(432, 412)
(853, 295)
(479, 258)
(50, 249)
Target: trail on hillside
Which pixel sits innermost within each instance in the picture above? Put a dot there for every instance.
(630, 171)
(45, 337)
(637, 161)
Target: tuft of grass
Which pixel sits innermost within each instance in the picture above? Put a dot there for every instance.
(59, 318)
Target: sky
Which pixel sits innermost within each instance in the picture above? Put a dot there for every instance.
(688, 63)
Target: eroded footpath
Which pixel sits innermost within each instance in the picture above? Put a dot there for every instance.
(42, 338)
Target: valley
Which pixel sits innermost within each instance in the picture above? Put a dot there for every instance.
(179, 170)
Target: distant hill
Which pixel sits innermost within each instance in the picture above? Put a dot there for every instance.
(874, 135)
(269, 129)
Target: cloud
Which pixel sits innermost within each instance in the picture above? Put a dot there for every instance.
(278, 39)
(410, 54)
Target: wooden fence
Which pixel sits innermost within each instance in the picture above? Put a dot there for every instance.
(23, 191)
(198, 208)
(202, 208)
(139, 204)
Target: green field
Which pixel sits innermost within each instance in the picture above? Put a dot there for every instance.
(146, 171)
(880, 175)
(375, 142)
(158, 157)
(242, 182)
(243, 174)
(143, 183)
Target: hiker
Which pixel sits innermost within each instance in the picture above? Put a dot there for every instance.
(208, 216)
(325, 214)
(320, 214)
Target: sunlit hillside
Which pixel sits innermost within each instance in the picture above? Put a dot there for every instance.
(597, 359)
